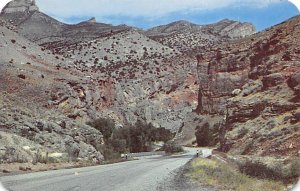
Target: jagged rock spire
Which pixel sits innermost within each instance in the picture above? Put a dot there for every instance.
(20, 6)
(92, 20)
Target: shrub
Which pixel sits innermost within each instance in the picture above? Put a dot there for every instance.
(105, 126)
(217, 174)
(242, 132)
(261, 170)
(108, 152)
(162, 134)
(294, 170)
(22, 76)
(171, 147)
(119, 145)
(131, 138)
(207, 136)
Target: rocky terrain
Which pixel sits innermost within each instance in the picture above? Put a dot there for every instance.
(30, 129)
(186, 36)
(56, 77)
(256, 79)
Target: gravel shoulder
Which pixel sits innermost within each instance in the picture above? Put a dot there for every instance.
(178, 181)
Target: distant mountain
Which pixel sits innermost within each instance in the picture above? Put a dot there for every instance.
(174, 27)
(184, 35)
(225, 28)
(40, 28)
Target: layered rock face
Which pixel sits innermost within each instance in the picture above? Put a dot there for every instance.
(259, 75)
(232, 29)
(17, 6)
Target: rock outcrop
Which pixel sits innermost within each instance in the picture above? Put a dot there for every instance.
(263, 103)
(92, 20)
(40, 28)
(20, 6)
(186, 36)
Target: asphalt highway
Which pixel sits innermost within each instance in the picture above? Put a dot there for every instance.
(148, 173)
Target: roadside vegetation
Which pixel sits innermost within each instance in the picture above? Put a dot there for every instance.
(131, 138)
(287, 173)
(170, 148)
(224, 177)
(207, 136)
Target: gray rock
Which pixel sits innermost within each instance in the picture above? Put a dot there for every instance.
(40, 125)
(236, 92)
(22, 6)
(252, 87)
(73, 150)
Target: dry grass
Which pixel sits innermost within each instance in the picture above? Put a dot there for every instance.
(217, 174)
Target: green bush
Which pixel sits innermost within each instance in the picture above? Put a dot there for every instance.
(119, 145)
(162, 134)
(108, 152)
(287, 173)
(105, 126)
(206, 136)
(224, 177)
(131, 138)
(171, 147)
(140, 136)
(295, 169)
(261, 170)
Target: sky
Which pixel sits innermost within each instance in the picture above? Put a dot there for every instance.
(148, 13)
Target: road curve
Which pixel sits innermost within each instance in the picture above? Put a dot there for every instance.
(146, 174)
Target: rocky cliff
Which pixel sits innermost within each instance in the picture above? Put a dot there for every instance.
(20, 6)
(255, 81)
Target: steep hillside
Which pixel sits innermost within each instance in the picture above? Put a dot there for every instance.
(257, 80)
(29, 127)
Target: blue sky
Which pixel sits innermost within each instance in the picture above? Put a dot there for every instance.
(149, 13)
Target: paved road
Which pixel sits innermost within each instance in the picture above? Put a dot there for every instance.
(148, 173)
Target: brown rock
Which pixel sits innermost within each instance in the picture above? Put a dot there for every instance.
(272, 80)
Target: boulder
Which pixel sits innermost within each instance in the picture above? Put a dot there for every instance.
(272, 80)
(40, 125)
(296, 117)
(246, 112)
(282, 106)
(73, 150)
(236, 92)
(294, 80)
(252, 87)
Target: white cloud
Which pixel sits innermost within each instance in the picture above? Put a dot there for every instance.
(138, 8)
(296, 3)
